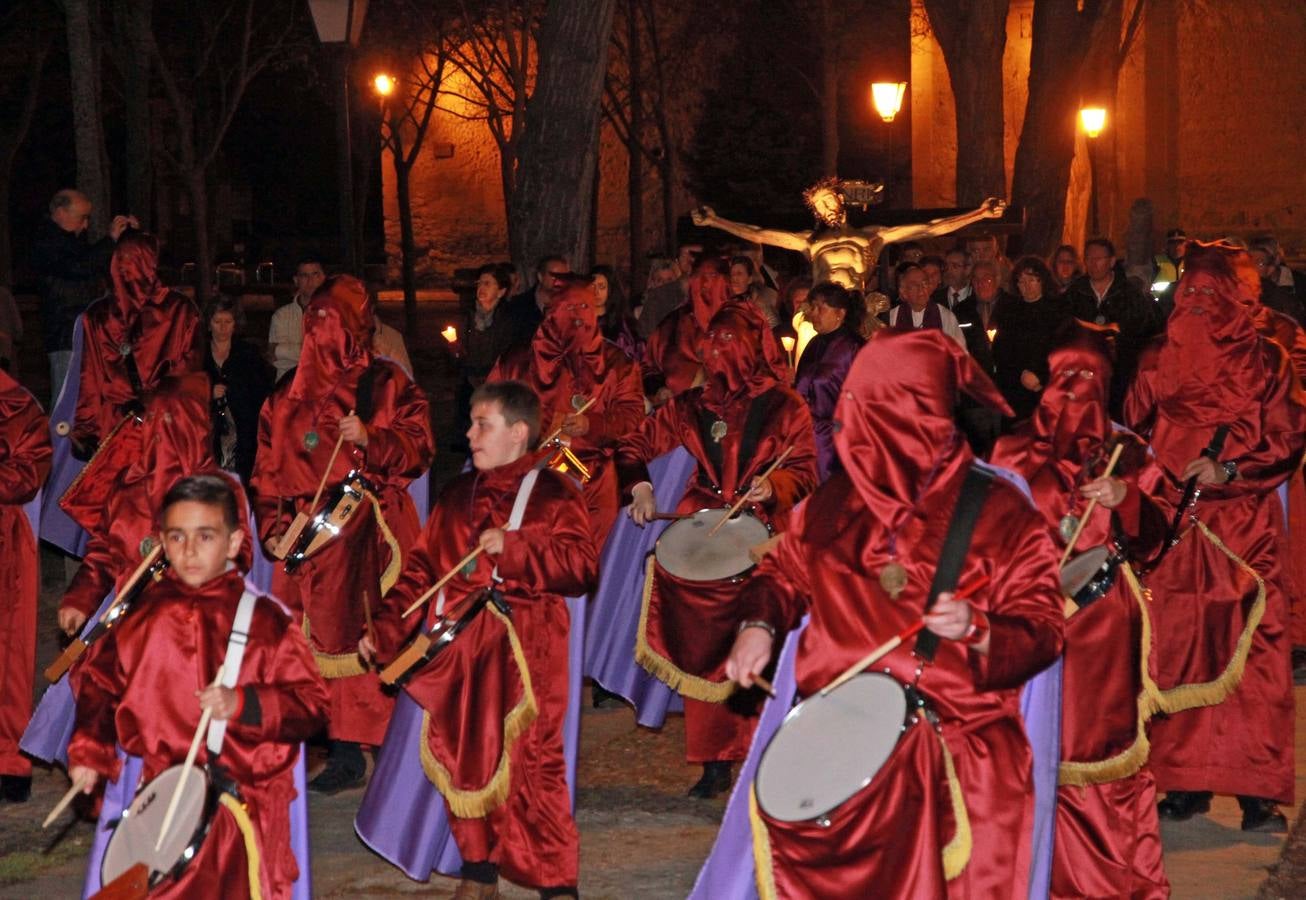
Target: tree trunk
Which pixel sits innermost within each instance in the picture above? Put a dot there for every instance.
(88, 136)
(11, 140)
(556, 164)
(973, 36)
(829, 92)
(197, 186)
(407, 247)
(635, 175)
(136, 25)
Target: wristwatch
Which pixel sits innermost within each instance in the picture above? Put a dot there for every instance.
(1230, 470)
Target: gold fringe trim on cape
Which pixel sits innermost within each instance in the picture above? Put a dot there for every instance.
(1131, 759)
(396, 563)
(77, 479)
(956, 853)
(1191, 696)
(334, 665)
(663, 669)
(762, 871)
(252, 856)
(473, 804)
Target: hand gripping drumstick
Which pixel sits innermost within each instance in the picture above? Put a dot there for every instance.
(557, 431)
(1088, 510)
(443, 580)
(739, 504)
(292, 533)
(77, 788)
(870, 659)
(186, 767)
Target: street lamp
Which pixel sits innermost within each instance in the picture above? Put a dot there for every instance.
(886, 97)
(339, 24)
(383, 84)
(1092, 119)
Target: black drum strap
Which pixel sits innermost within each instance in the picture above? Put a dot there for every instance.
(759, 413)
(365, 401)
(956, 544)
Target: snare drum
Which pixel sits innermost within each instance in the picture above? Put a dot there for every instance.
(831, 746)
(685, 550)
(135, 834)
(1089, 575)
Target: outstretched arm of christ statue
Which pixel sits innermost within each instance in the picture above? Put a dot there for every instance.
(992, 208)
(787, 240)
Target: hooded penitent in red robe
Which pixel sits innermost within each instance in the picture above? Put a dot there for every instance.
(158, 329)
(950, 813)
(136, 689)
(672, 359)
(1107, 839)
(567, 364)
(690, 626)
(297, 432)
(25, 456)
(176, 439)
(1222, 646)
(496, 698)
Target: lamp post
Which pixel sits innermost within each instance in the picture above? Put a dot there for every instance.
(1093, 120)
(339, 24)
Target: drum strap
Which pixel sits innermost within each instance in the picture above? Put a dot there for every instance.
(231, 664)
(759, 413)
(518, 509)
(956, 544)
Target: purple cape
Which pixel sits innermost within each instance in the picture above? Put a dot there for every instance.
(56, 527)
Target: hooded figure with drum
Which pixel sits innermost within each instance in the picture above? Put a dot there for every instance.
(1084, 474)
(922, 784)
(754, 443)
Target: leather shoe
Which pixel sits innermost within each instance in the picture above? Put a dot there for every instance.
(1262, 815)
(475, 890)
(1180, 806)
(15, 788)
(337, 777)
(715, 781)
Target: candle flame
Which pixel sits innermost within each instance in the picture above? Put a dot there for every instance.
(450, 334)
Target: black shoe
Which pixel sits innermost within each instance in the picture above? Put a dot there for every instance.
(15, 788)
(715, 781)
(604, 698)
(1262, 815)
(1180, 806)
(346, 768)
(1299, 665)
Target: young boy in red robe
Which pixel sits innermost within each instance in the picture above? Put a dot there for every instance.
(1223, 649)
(341, 392)
(497, 696)
(24, 464)
(1108, 842)
(145, 686)
(568, 364)
(951, 811)
(736, 426)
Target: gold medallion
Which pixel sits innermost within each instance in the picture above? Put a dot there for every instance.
(893, 578)
(718, 430)
(147, 545)
(311, 441)
(1066, 527)
(577, 401)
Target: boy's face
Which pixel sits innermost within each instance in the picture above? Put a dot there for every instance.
(494, 442)
(198, 542)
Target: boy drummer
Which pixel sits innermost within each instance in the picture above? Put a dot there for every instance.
(495, 699)
(144, 686)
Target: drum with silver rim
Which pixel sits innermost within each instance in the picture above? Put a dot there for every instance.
(830, 746)
(135, 833)
(685, 551)
(1090, 575)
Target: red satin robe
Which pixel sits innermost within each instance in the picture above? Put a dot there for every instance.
(616, 413)
(472, 690)
(331, 588)
(25, 456)
(887, 841)
(692, 624)
(671, 359)
(1202, 599)
(137, 689)
(1107, 834)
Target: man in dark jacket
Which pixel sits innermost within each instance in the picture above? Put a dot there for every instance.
(975, 315)
(71, 271)
(1104, 296)
(526, 310)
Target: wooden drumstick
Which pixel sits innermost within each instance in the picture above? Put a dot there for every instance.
(739, 504)
(186, 767)
(77, 788)
(443, 579)
(321, 485)
(557, 431)
(879, 652)
(1088, 510)
(302, 518)
(764, 685)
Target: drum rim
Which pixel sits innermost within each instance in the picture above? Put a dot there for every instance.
(909, 720)
(212, 794)
(738, 576)
(1098, 583)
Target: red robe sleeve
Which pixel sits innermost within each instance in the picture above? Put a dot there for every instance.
(553, 550)
(25, 454)
(657, 434)
(94, 577)
(623, 402)
(799, 474)
(404, 447)
(294, 702)
(779, 592)
(273, 516)
(97, 683)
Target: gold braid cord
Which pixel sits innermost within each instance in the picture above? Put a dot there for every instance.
(1191, 696)
(956, 853)
(663, 669)
(392, 569)
(1131, 759)
(478, 802)
(252, 856)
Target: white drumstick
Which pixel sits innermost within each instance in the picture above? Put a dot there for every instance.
(67, 798)
(186, 767)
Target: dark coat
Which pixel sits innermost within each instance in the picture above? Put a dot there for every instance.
(249, 379)
(1138, 316)
(71, 271)
(1026, 332)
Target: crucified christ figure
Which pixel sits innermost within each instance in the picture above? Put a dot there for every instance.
(837, 252)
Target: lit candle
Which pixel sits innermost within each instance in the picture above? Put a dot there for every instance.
(788, 343)
(450, 333)
(992, 333)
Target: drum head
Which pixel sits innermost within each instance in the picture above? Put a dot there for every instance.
(1082, 569)
(686, 551)
(134, 837)
(829, 748)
